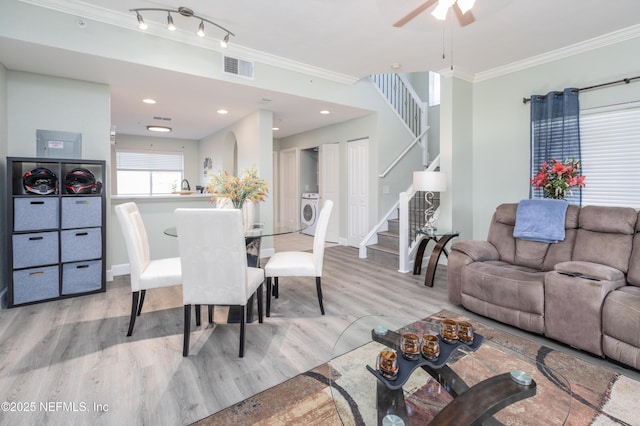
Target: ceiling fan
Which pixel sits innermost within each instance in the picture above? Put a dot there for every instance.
(462, 9)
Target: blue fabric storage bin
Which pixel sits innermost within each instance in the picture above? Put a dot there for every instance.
(35, 213)
(34, 249)
(80, 244)
(81, 212)
(81, 277)
(31, 285)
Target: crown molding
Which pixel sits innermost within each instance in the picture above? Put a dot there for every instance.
(127, 21)
(457, 72)
(554, 55)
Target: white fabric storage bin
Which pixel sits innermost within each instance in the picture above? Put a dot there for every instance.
(80, 244)
(80, 277)
(81, 212)
(35, 213)
(35, 249)
(31, 285)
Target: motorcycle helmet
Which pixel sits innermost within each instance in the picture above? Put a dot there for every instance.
(81, 181)
(40, 181)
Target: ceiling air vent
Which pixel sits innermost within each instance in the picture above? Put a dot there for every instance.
(238, 67)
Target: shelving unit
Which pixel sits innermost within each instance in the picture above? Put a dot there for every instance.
(57, 242)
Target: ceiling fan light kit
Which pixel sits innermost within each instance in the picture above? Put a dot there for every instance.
(462, 9)
(186, 12)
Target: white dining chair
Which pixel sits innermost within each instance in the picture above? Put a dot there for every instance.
(214, 265)
(145, 273)
(299, 263)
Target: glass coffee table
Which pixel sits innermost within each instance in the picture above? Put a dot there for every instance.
(478, 383)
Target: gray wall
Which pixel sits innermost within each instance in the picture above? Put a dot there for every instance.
(3, 179)
(388, 137)
(501, 121)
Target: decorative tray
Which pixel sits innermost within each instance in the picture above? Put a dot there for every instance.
(406, 367)
(183, 192)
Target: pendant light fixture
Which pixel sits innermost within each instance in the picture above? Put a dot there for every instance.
(186, 12)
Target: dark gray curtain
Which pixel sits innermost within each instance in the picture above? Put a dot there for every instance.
(555, 133)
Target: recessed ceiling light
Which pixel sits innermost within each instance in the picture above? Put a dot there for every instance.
(325, 112)
(163, 129)
(275, 128)
(222, 111)
(149, 101)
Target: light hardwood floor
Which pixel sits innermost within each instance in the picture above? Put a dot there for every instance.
(70, 362)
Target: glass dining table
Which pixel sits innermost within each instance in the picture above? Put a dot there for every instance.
(253, 236)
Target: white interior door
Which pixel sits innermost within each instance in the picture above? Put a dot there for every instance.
(358, 191)
(289, 195)
(329, 183)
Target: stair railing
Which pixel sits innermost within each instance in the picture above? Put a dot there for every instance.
(407, 226)
(407, 244)
(409, 108)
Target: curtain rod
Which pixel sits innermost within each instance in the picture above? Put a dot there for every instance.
(598, 86)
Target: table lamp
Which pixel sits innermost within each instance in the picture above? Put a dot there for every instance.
(429, 182)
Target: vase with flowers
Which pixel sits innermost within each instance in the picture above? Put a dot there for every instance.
(558, 177)
(238, 189)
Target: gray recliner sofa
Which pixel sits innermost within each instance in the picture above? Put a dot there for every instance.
(583, 291)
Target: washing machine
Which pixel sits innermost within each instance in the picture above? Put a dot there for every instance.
(309, 212)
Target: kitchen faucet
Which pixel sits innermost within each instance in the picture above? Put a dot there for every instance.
(185, 185)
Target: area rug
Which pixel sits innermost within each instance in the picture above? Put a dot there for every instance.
(598, 396)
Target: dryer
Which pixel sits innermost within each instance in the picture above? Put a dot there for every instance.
(309, 212)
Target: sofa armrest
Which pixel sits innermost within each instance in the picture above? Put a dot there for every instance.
(589, 271)
(478, 251)
(463, 253)
(574, 294)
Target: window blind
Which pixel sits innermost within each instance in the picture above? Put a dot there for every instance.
(611, 155)
(157, 161)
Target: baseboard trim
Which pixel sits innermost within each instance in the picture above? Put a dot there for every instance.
(117, 270)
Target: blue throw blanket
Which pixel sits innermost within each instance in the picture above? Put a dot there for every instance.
(541, 220)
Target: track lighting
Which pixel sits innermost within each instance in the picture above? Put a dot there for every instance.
(141, 23)
(186, 12)
(225, 42)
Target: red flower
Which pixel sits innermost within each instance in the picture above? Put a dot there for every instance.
(559, 178)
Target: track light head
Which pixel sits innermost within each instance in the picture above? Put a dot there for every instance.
(170, 25)
(201, 29)
(225, 42)
(141, 24)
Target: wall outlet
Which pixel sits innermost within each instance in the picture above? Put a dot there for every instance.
(385, 189)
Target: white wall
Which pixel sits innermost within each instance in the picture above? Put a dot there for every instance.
(254, 137)
(501, 121)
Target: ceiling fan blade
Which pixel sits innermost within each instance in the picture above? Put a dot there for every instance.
(463, 18)
(415, 12)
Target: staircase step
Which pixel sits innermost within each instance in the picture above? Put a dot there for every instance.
(383, 255)
(389, 239)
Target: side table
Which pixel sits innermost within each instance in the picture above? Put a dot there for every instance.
(441, 238)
